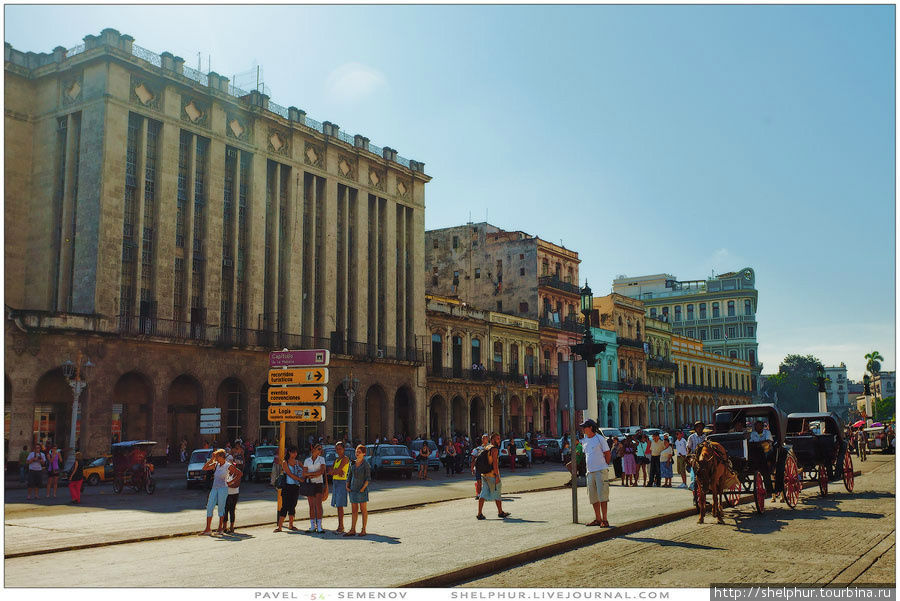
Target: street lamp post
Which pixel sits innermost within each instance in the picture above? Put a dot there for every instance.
(76, 375)
(587, 350)
(868, 392)
(820, 380)
(350, 385)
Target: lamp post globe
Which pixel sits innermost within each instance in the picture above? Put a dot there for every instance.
(587, 299)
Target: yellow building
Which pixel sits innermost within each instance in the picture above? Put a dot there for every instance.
(482, 372)
(706, 380)
(660, 373)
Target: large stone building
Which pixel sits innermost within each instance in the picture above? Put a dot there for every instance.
(705, 381)
(883, 385)
(513, 273)
(660, 370)
(719, 311)
(175, 229)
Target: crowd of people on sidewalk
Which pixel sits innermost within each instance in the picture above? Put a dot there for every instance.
(45, 461)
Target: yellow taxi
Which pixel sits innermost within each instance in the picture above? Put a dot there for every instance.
(99, 470)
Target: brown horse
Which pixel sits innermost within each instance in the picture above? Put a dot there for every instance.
(713, 474)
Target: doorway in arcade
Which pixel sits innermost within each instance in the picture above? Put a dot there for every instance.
(183, 412)
(53, 410)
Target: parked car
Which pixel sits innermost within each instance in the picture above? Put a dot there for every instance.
(551, 447)
(99, 470)
(630, 430)
(261, 462)
(390, 458)
(195, 473)
(651, 431)
(610, 432)
(434, 458)
(521, 457)
(538, 453)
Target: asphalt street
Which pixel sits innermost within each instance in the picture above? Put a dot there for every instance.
(843, 538)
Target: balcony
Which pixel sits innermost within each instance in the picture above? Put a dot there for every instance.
(661, 364)
(606, 385)
(567, 325)
(713, 389)
(224, 336)
(622, 341)
(551, 281)
(484, 375)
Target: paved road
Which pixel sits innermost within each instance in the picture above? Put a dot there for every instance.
(841, 539)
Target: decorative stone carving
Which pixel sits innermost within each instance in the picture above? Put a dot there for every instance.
(71, 90)
(279, 142)
(403, 188)
(313, 155)
(194, 111)
(347, 166)
(145, 93)
(377, 178)
(237, 128)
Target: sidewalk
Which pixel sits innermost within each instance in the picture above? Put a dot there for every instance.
(402, 546)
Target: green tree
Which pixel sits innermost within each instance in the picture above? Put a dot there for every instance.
(884, 409)
(873, 363)
(795, 383)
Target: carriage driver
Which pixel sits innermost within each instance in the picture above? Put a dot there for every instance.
(767, 448)
(693, 442)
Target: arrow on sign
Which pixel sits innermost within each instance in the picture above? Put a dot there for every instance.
(298, 376)
(288, 413)
(298, 394)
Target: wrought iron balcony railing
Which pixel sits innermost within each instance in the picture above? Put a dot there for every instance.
(552, 281)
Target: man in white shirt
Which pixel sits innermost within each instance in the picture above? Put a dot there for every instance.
(597, 458)
(35, 462)
(759, 434)
(681, 457)
(693, 442)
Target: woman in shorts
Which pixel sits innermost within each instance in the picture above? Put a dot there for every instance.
(314, 470)
(422, 460)
(358, 490)
(339, 472)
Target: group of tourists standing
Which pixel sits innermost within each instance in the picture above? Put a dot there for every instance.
(48, 460)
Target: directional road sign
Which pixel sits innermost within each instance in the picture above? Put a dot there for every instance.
(211, 410)
(306, 413)
(209, 431)
(310, 358)
(298, 394)
(298, 376)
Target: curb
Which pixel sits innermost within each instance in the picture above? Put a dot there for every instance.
(257, 525)
(485, 568)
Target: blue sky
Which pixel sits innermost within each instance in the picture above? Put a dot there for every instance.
(647, 138)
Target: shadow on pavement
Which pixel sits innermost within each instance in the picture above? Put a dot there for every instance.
(671, 543)
(235, 537)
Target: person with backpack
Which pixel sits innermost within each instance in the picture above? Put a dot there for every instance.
(485, 441)
(488, 465)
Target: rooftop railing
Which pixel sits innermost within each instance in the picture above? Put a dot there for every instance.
(203, 79)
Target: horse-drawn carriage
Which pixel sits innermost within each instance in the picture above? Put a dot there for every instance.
(757, 463)
(818, 444)
(130, 466)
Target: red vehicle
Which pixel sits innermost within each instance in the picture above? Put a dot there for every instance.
(130, 466)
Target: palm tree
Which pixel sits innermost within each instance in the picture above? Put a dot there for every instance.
(873, 362)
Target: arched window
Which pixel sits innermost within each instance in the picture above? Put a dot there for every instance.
(694, 375)
(677, 312)
(529, 363)
(514, 358)
(545, 267)
(638, 324)
(748, 309)
(498, 356)
(476, 351)
(715, 309)
(546, 361)
(690, 312)
(751, 354)
(731, 308)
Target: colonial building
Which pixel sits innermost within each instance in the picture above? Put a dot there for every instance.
(625, 316)
(608, 385)
(884, 384)
(719, 311)
(660, 371)
(483, 373)
(175, 229)
(705, 381)
(837, 395)
(516, 274)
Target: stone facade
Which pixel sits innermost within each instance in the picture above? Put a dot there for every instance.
(837, 396)
(149, 202)
(483, 373)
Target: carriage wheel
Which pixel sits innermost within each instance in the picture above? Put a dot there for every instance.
(733, 495)
(791, 481)
(823, 480)
(848, 472)
(118, 486)
(759, 492)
